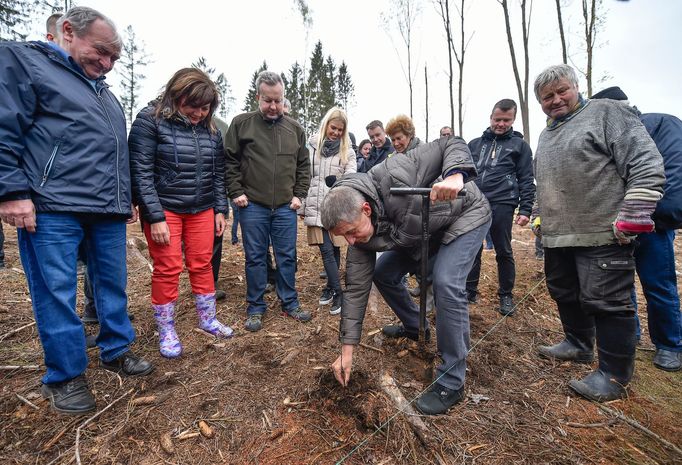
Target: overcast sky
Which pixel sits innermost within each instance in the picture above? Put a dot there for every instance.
(639, 51)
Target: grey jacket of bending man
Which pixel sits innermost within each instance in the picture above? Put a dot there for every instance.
(397, 219)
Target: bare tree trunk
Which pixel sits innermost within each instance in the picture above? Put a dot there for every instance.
(445, 16)
(426, 87)
(589, 15)
(460, 62)
(522, 90)
(564, 53)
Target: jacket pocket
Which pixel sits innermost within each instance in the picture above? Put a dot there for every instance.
(50, 162)
(167, 174)
(612, 278)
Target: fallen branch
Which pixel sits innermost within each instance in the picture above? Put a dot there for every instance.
(19, 367)
(390, 387)
(89, 420)
(635, 424)
(591, 425)
(27, 402)
(8, 334)
(58, 436)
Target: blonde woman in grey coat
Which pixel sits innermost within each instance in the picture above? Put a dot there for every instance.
(331, 154)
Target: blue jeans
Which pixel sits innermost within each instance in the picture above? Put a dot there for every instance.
(259, 225)
(235, 222)
(450, 269)
(49, 260)
(655, 262)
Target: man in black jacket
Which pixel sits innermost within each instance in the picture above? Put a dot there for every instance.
(381, 145)
(505, 175)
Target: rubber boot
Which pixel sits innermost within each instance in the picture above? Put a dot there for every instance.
(169, 343)
(207, 316)
(616, 343)
(578, 343)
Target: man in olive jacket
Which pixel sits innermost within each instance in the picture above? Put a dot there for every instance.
(268, 174)
(361, 208)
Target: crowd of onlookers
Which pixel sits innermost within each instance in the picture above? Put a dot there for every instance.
(603, 195)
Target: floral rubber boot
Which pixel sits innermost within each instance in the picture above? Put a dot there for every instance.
(207, 316)
(169, 343)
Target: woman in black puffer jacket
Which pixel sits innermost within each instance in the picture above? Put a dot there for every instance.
(177, 168)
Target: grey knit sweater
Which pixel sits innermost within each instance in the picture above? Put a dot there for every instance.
(587, 166)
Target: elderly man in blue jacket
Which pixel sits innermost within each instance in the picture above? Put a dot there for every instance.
(64, 179)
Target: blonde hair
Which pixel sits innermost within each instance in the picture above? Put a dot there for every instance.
(334, 114)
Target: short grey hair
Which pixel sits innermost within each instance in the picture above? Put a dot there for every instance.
(81, 18)
(269, 78)
(286, 103)
(554, 73)
(341, 203)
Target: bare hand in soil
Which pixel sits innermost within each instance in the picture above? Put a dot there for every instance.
(342, 365)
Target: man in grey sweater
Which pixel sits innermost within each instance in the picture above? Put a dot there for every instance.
(599, 176)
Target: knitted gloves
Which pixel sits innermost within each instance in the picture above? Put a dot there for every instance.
(634, 218)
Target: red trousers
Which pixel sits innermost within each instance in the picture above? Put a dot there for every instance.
(196, 232)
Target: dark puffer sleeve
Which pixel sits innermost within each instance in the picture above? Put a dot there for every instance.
(142, 143)
(219, 192)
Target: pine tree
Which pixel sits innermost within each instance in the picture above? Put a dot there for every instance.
(345, 89)
(13, 19)
(250, 103)
(222, 85)
(293, 90)
(314, 102)
(133, 59)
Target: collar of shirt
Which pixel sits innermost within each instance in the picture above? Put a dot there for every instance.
(69, 59)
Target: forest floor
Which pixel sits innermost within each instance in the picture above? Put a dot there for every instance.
(270, 398)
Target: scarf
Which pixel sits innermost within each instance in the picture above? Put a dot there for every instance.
(555, 123)
(330, 147)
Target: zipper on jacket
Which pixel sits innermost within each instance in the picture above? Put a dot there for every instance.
(113, 131)
(50, 162)
(197, 174)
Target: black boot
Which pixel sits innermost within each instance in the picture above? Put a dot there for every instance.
(71, 397)
(396, 331)
(616, 342)
(578, 343)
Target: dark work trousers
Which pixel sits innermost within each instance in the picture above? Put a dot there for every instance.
(217, 256)
(2, 246)
(500, 231)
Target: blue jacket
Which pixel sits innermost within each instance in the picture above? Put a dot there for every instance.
(175, 166)
(666, 131)
(505, 169)
(62, 143)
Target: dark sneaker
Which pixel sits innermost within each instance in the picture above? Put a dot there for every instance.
(507, 307)
(323, 274)
(396, 331)
(220, 294)
(254, 322)
(472, 297)
(667, 360)
(438, 399)
(327, 296)
(414, 291)
(128, 364)
(299, 314)
(269, 287)
(336, 303)
(72, 397)
(90, 341)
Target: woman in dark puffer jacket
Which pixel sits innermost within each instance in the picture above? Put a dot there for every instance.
(177, 169)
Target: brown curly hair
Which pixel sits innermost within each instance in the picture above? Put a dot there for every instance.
(401, 123)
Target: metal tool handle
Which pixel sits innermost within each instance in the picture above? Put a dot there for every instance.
(419, 191)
